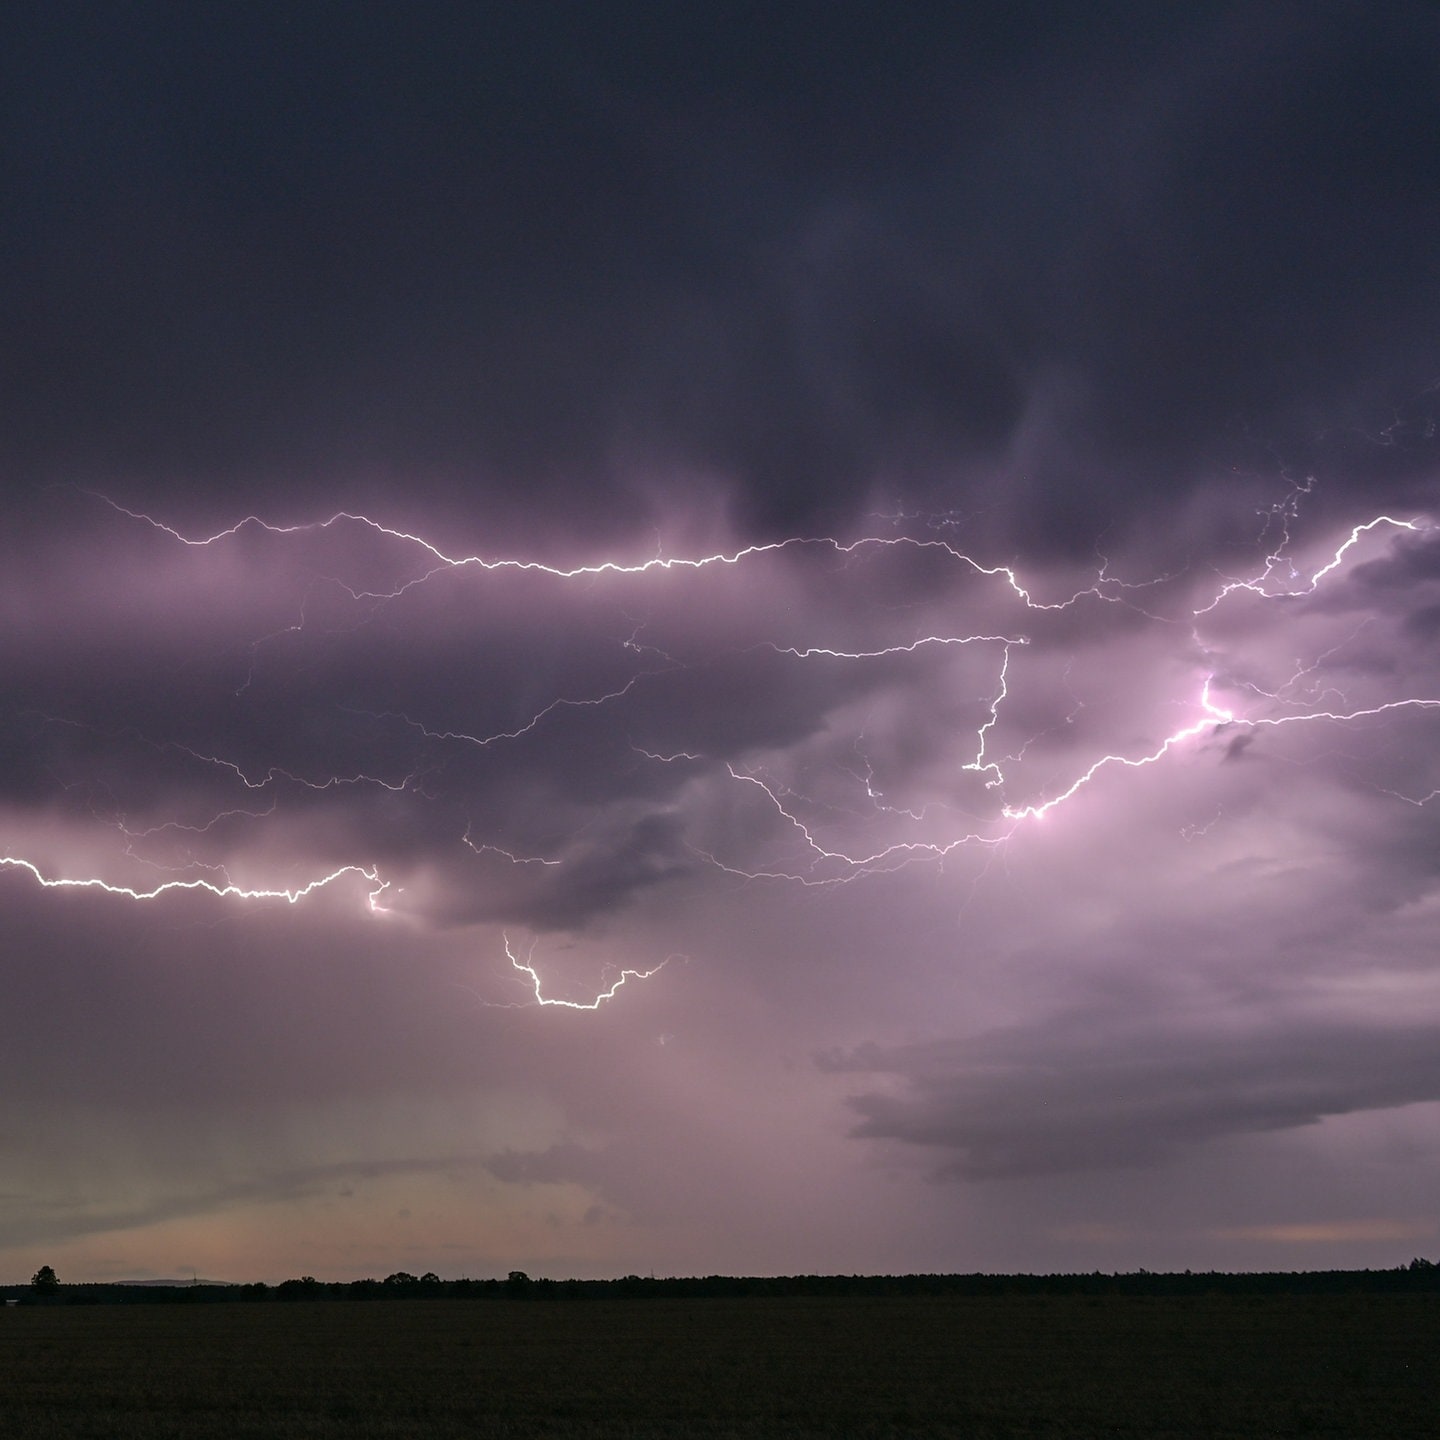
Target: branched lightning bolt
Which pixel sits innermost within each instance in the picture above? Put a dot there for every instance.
(1273, 561)
(980, 765)
(487, 849)
(484, 741)
(1279, 578)
(267, 780)
(528, 970)
(1102, 588)
(811, 652)
(856, 866)
(204, 829)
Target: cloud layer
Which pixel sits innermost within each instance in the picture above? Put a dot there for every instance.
(909, 544)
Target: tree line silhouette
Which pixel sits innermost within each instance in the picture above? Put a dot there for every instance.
(1420, 1276)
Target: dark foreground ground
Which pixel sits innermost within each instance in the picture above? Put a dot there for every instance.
(1073, 1365)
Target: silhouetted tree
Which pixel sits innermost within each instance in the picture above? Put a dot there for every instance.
(307, 1287)
(45, 1281)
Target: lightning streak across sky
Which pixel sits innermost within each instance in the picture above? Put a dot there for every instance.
(971, 718)
(228, 890)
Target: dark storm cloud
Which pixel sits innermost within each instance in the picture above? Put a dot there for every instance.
(497, 255)
(1405, 583)
(1075, 1095)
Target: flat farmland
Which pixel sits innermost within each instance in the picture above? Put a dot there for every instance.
(855, 1367)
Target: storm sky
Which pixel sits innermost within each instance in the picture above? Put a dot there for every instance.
(785, 639)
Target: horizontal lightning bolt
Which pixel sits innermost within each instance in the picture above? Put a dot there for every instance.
(813, 651)
(484, 741)
(656, 563)
(225, 891)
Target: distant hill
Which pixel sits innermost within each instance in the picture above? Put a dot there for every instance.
(187, 1282)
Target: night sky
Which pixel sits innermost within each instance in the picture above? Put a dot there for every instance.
(785, 639)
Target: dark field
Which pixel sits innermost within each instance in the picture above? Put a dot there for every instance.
(1071, 1365)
